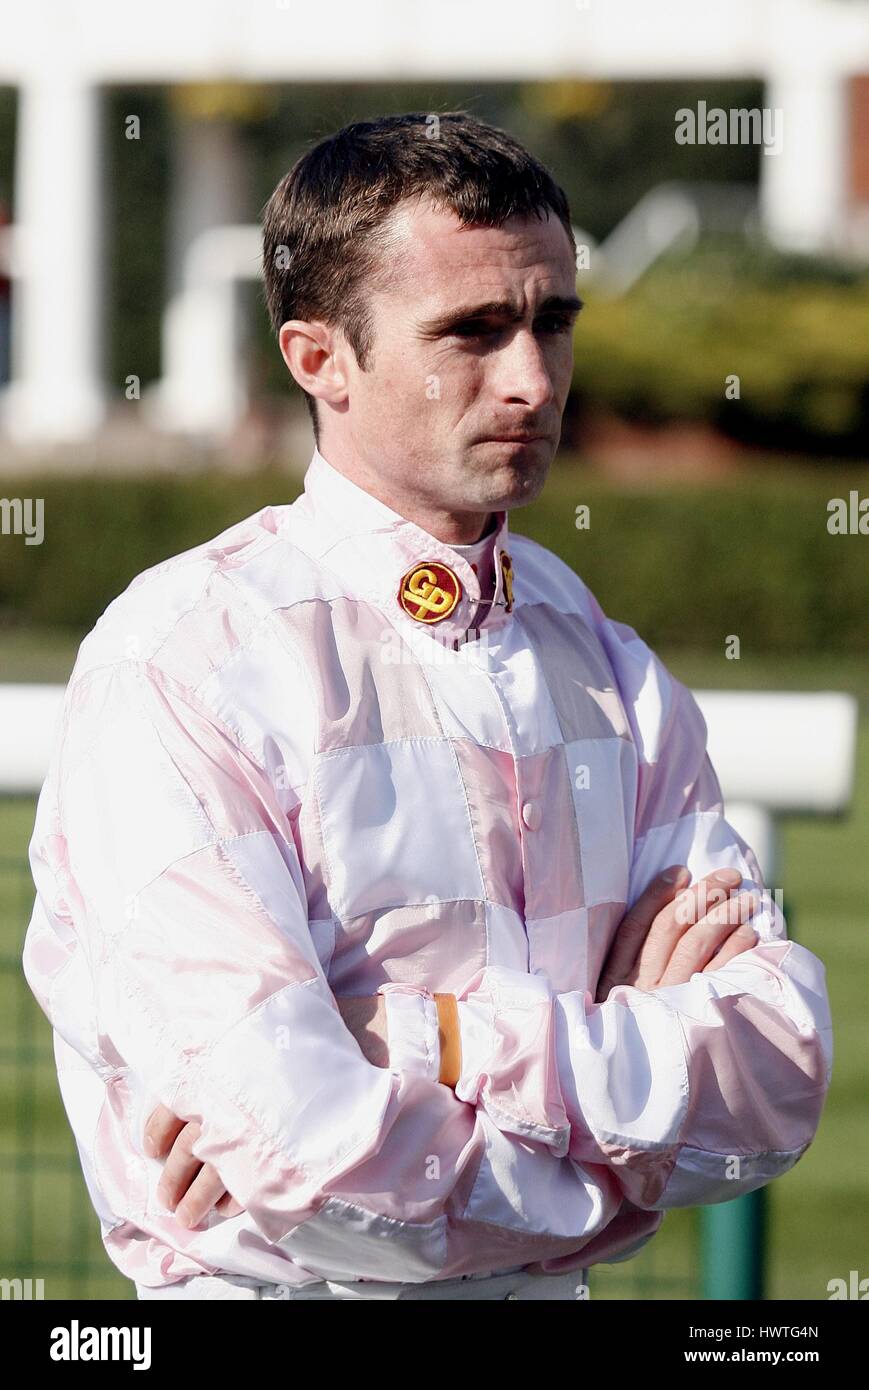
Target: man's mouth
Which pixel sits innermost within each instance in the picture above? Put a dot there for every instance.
(513, 438)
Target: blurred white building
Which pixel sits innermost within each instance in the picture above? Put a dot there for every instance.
(812, 55)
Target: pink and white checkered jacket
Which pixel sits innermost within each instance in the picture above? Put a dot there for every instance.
(281, 776)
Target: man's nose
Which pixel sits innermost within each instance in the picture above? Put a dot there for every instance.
(522, 372)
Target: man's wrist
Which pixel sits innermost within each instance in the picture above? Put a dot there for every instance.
(439, 1036)
(413, 1029)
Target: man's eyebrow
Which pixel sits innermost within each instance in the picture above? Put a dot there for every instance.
(497, 308)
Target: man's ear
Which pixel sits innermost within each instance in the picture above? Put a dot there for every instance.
(315, 356)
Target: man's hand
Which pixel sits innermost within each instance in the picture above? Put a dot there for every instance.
(191, 1188)
(669, 935)
(184, 1176)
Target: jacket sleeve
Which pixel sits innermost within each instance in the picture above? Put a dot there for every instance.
(692, 1093)
(170, 940)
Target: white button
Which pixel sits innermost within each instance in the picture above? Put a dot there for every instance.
(532, 815)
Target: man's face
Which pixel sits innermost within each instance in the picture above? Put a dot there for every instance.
(472, 343)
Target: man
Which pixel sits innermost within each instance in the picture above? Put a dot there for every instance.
(348, 805)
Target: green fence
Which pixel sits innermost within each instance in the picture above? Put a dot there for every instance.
(48, 1230)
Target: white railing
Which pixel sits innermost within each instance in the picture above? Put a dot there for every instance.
(776, 753)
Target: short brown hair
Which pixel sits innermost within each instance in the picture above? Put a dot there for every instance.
(320, 242)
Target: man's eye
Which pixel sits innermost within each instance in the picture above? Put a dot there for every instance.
(557, 323)
(550, 323)
(472, 329)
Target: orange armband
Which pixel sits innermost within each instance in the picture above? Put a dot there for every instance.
(450, 1039)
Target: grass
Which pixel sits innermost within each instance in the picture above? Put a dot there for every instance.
(49, 1230)
(816, 1231)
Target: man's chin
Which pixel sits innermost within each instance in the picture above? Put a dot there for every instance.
(520, 476)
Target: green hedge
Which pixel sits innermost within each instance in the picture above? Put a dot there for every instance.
(686, 566)
(100, 532)
(666, 350)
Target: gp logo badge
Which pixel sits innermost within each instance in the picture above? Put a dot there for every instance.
(507, 579)
(429, 592)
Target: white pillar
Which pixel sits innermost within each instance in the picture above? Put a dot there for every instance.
(203, 386)
(56, 390)
(802, 188)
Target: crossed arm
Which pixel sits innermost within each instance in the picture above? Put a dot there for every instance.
(170, 937)
(671, 932)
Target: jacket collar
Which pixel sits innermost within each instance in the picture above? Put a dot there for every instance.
(395, 564)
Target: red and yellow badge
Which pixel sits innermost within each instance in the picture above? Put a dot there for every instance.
(429, 592)
(507, 579)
